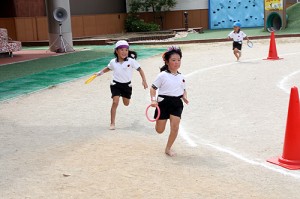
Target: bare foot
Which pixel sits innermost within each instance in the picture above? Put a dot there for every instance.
(112, 127)
(170, 153)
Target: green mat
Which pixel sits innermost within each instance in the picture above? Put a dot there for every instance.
(28, 77)
(18, 70)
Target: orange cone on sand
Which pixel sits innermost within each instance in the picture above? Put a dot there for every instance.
(290, 158)
(272, 49)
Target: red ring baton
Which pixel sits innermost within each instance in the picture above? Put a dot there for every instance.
(158, 113)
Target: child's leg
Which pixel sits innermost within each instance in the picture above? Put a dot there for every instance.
(160, 126)
(236, 53)
(126, 101)
(174, 123)
(113, 112)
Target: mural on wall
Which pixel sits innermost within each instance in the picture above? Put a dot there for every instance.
(273, 5)
(223, 13)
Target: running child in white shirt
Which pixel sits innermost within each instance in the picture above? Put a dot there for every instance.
(170, 85)
(122, 67)
(237, 36)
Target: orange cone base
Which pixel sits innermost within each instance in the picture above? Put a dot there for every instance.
(288, 164)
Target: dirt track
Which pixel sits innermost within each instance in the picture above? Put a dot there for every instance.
(55, 143)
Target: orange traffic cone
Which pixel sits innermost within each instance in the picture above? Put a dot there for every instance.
(272, 49)
(290, 158)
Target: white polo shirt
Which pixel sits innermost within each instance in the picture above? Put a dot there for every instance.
(122, 72)
(237, 37)
(170, 84)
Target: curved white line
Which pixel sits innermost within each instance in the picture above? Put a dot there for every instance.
(282, 84)
(186, 136)
(252, 162)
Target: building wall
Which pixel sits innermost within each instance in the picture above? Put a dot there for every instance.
(191, 5)
(36, 28)
(175, 19)
(7, 8)
(90, 7)
(29, 8)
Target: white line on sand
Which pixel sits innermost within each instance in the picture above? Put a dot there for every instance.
(282, 84)
(186, 136)
(231, 63)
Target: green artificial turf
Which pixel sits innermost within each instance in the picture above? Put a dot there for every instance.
(293, 13)
(30, 76)
(17, 70)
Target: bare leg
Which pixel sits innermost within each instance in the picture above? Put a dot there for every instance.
(113, 112)
(160, 126)
(174, 123)
(126, 101)
(237, 54)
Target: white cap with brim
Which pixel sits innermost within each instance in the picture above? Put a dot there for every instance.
(122, 44)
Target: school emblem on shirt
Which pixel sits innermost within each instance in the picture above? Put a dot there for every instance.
(128, 65)
(183, 80)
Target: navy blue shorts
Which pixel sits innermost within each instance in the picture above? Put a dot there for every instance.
(169, 106)
(237, 45)
(121, 89)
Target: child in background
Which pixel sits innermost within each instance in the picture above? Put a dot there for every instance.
(170, 85)
(237, 36)
(122, 67)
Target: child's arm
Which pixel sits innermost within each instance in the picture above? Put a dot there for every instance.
(184, 97)
(143, 78)
(101, 72)
(247, 38)
(153, 97)
(229, 36)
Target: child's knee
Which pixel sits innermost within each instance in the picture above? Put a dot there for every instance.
(159, 130)
(126, 101)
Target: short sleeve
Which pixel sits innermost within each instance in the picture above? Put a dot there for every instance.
(111, 64)
(158, 81)
(230, 34)
(134, 64)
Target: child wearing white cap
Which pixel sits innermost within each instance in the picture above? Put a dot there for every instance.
(122, 67)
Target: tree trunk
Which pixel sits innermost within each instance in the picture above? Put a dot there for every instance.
(153, 11)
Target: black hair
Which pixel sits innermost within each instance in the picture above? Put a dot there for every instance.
(167, 55)
(132, 54)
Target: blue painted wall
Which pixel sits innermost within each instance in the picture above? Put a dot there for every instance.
(223, 13)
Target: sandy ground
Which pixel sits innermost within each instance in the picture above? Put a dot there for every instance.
(55, 143)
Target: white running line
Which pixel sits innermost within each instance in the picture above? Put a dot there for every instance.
(186, 136)
(232, 63)
(282, 84)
